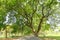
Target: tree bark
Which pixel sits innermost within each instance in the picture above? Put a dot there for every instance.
(41, 20)
(40, 24)
(6, 33)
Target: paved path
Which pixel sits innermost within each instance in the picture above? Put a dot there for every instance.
(29, 38)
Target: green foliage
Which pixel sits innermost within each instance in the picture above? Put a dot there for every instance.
(46, 27)
(27, 32)
(29, 14)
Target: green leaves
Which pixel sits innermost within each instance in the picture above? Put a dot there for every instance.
(28, 8)
(28, 14)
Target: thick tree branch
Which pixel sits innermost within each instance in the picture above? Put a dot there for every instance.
(29, 24)
(39, 26)
(42, 5)
(41, 20)
(43, 10)
(49, 13)
(51, 2)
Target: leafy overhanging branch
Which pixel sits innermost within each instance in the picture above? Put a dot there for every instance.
(42, 18)
(30, 24)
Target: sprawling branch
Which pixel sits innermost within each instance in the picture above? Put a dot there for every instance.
(43, 16)
(49, 12)
(51, 2)
(42, 10)
(42, 5)
(29, 24)
(40, 24)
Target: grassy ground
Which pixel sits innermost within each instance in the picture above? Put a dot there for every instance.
(51, 38)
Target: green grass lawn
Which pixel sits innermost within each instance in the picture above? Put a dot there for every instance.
(52, 37)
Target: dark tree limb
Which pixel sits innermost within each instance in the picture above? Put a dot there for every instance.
(40, 24)
(30, 24)
(43, 16)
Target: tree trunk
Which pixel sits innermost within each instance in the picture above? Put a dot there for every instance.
(6, 33)
(40, 25)
(36, 34)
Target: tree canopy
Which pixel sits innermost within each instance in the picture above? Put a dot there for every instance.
(29, 16)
